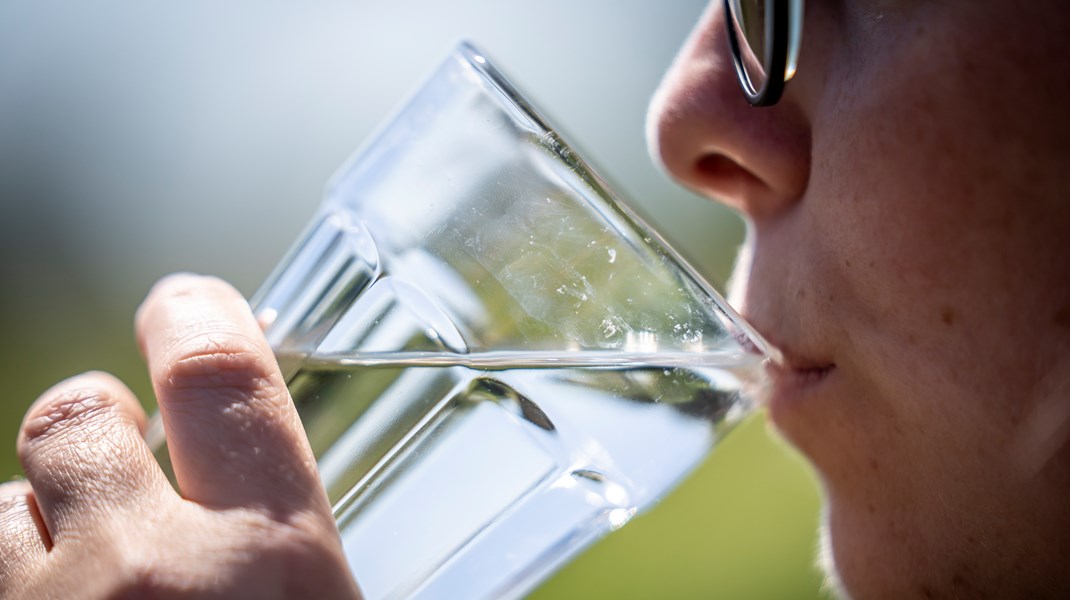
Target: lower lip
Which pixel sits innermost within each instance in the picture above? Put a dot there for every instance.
(791, 387)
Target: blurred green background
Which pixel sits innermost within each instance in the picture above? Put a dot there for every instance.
(141, 138)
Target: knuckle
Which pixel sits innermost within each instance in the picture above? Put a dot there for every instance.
(81, 405)
(222, 363)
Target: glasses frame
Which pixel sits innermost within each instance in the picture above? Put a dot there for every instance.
(777, 27)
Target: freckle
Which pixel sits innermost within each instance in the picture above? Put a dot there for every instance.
(800, 294)
(872, 509)
(873, 465)
(847, 262)
(947, 315)
(913, 339)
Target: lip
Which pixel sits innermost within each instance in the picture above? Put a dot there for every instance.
(795, 381)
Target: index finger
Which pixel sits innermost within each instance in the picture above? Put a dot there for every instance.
(233, 433)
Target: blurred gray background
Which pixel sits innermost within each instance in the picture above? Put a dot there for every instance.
(141, 138)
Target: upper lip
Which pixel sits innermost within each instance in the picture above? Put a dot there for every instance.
(800, 363)
(785, 356)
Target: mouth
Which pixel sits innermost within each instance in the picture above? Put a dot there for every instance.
(793, 376)
(794, 380)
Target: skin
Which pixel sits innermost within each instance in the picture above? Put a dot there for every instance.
(96, 517)
(908, 249)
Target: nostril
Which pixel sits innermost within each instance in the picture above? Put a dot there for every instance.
(728, 181)
(719, 166)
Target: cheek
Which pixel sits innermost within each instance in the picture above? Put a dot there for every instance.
(909, 272)
(938, 243)
(943, 263)
(927, 238)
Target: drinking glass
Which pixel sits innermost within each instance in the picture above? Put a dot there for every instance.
(496, 361)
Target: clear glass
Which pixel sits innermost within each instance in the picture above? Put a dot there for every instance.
(496, 362)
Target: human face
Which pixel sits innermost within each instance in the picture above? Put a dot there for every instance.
(909, 249)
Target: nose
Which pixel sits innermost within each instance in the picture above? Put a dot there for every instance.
(707, 136)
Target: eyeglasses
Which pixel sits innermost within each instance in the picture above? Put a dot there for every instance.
(764, 37)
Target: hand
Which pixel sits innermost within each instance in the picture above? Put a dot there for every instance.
(96, 517)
